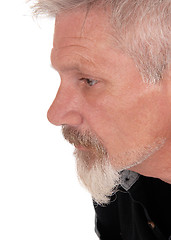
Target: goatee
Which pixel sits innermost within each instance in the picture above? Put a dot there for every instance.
(94, 169)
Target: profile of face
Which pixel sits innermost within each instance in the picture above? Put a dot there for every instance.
(105, 109)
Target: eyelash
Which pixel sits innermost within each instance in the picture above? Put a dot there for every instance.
(89, 81)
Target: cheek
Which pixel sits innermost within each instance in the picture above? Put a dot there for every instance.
(121, 122)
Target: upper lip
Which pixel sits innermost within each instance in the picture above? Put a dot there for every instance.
(80, 147)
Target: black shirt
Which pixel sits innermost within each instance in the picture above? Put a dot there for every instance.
(139, 210)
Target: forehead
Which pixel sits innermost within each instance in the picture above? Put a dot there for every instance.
(78, 25)
(84, 42)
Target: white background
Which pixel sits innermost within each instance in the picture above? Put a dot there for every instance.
(40, 197)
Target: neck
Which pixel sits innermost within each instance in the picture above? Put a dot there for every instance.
(158, 165)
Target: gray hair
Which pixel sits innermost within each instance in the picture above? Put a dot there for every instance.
(141, 29)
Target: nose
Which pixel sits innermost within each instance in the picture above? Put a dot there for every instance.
(65, 108)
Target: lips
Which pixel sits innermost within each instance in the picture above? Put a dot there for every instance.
(80, 147)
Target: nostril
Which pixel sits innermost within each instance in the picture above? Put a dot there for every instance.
(73, 118)
(65, 109)
(63, 116)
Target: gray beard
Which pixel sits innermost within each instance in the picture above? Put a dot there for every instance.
(101, 178)
(98, 172)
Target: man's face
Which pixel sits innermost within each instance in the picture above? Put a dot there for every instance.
(102, 92)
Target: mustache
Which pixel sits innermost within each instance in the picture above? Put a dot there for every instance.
(85, 139)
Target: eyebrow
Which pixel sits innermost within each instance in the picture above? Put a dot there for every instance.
(81, 64)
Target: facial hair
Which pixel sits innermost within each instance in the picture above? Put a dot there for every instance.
(94, 168)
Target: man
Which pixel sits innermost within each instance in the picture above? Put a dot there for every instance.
(114, 105)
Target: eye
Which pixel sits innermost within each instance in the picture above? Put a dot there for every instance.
(89, 81)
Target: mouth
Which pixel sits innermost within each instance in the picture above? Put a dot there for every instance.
(80, 147)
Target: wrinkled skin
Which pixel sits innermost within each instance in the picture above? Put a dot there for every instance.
(102, 91)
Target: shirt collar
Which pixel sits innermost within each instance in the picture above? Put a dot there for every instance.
(128, 178)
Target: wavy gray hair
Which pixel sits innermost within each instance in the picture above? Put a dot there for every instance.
(141, 29)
